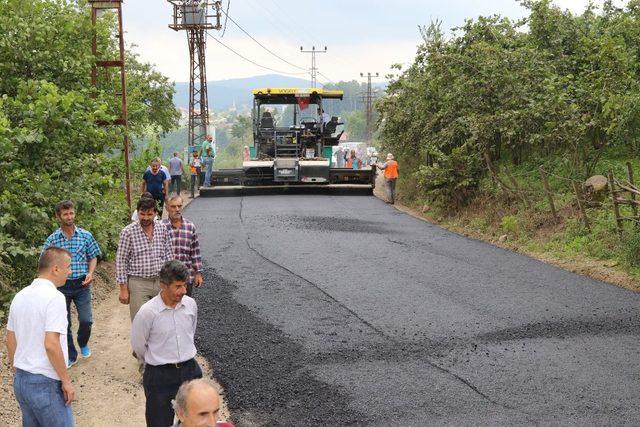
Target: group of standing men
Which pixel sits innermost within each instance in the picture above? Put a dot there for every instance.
(160, 180)
(157, 265)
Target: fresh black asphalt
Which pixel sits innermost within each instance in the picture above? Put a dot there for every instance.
(341, 310)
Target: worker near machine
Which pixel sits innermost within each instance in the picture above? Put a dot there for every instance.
(175, 169)
(155, 182)
(184, 240)
(324, 119)
(340, 157)
(162, 336)
(391, 172)
(246, 154)
(207, 163)
(352, 161)
(207, 143)
(196, 170)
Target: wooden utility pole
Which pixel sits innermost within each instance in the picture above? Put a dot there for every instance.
(614, 200)
(632, 195)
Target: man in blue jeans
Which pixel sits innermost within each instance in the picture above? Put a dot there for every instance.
(77, 289)
(37, 346)
(175, 169)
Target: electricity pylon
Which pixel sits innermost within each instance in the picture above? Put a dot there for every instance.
(196, 17)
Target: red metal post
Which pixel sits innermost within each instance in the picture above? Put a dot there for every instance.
(123, 120)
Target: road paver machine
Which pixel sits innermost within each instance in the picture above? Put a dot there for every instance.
(293, 142)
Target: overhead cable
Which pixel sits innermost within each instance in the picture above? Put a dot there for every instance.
(327, 78)
(252, 61)
(260, 44)
(224, 30)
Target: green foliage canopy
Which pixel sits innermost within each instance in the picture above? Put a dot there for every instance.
(554, 83)
(50, 145)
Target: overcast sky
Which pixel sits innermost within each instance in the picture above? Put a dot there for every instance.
(360, 36)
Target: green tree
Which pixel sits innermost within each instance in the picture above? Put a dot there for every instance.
(564, 85)
(50, 145)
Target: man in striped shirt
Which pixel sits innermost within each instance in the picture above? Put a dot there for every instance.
(143, 249)
(184, 240)
(77, 289)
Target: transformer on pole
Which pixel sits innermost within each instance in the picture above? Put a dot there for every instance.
(196, 17)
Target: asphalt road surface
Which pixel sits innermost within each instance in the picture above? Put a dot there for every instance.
(340, 310)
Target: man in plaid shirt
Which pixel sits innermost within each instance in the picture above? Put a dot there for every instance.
(143, 249)
(77, 289)
(184, 240)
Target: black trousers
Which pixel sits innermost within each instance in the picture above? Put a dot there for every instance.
(161, 385)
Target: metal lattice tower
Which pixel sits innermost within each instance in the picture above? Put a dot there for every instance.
(195, 17)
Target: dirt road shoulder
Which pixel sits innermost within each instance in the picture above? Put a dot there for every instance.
(108, 385)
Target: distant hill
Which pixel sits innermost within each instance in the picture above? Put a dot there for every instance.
(223, 93)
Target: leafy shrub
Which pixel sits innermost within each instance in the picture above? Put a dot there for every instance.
(510, 224)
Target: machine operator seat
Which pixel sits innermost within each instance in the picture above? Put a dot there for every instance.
(266, 122)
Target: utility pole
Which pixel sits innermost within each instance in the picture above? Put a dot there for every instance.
(314, 68)
(97, 8)
(367, 100)
(194, 17)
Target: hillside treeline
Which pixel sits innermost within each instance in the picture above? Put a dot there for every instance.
(50, 145)
(552, 85)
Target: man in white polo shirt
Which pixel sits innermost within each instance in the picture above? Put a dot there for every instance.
(37, 345)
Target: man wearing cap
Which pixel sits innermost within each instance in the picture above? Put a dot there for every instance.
(391, 171)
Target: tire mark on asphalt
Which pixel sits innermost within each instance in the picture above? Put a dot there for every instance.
(379, 332)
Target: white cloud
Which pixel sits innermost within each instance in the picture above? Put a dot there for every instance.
(355, 53)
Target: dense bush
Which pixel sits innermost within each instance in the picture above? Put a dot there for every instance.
(552, 84)
(50, 145)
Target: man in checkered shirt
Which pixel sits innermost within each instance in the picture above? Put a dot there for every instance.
(144, 247)
(77, 289)
(184, 240)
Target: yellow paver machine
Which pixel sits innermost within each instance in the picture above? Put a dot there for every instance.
(293, 148)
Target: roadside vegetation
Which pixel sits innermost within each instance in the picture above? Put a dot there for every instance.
(555, 90)
(50, 145)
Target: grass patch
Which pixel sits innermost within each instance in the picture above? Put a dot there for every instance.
(494, 212)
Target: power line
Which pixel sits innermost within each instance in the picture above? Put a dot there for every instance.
(252, 61)
(226, 14)
(327, 78)
(261, 45)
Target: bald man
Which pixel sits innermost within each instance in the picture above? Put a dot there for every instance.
(197, 404)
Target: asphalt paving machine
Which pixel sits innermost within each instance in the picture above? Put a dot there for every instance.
(293, 142)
